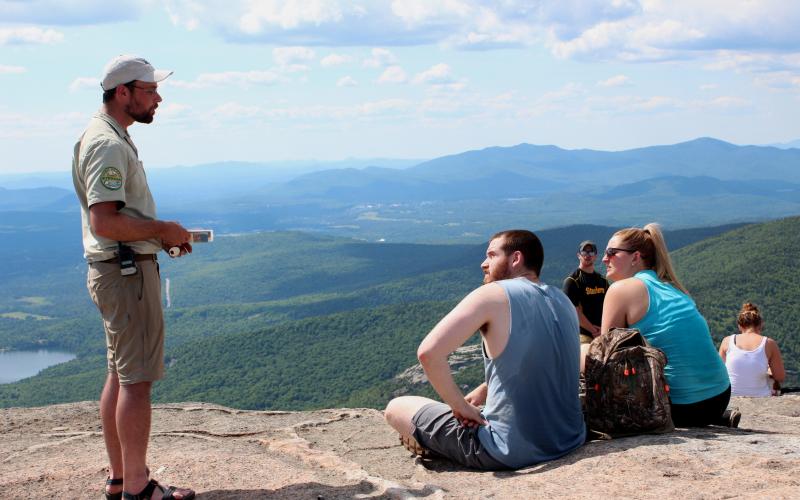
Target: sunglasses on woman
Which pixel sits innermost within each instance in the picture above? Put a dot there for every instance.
(610, 252)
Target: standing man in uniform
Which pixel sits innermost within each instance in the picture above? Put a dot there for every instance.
(532, 412)
(121, 237)
(587, 288)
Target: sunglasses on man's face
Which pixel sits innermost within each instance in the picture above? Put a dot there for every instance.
(610, 252)
(589, 253)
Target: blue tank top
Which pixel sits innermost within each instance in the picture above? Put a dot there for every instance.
(694, 370)
(532, 406)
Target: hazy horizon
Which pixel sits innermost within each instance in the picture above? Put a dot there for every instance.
(363, 162)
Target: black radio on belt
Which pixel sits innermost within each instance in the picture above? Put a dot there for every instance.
(127, 260)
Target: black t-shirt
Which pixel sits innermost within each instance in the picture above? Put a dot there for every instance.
(588, 291)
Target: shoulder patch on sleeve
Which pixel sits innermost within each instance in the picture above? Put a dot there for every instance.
(111, 178)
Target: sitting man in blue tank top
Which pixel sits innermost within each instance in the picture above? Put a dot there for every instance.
(531, 355)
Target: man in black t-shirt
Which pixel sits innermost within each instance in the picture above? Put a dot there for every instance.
(587, 290)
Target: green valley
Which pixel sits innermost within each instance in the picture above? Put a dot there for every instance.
(299, 321)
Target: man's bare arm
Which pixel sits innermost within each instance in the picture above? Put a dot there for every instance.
(452, 331)
(108, 222)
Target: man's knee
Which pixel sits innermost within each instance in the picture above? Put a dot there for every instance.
(137, 390)
(400, 412)
(391, 412)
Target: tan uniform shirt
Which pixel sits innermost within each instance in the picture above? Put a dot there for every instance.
(106, 167)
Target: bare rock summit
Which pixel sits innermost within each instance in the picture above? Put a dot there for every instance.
(57, 452)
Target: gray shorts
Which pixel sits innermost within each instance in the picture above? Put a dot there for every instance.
(436, 429)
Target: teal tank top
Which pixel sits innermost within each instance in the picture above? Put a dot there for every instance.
(694, 370)
(532, 406)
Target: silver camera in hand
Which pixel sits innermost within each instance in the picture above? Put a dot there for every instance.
(196, 236)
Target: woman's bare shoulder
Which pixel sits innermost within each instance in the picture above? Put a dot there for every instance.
(628, 286)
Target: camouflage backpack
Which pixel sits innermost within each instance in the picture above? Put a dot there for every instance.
(626, 392)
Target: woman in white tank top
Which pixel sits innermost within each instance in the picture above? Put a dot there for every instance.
(753, 361)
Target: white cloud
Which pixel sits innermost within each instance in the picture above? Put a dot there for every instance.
(779, 80)
(12, 70)
(385, 106)
(335, 60)
(615, 81)
(346, 81)
(235, 110)
(755, 62)
(680, 29)
(709, 86)
(727, 102)
(565, 93)
(84, 82)
(186, 13)
(380, 58)
(774, 71)
(472, 24)
(655, 103)
(420, 11)
(437, 74)
(290, 56)
(70, 13)
(625, 41)
(623, 30)
(628, 104)
(381, 109)
(393, 74)
(228, 78)
(631, 104)
(15, 125)
(173, 111)
(288, 14)
(558, 100)
(29, 35)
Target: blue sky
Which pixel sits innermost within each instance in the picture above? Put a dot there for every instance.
(327, 79)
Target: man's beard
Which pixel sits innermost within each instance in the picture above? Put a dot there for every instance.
(500, 274)
(143, 116)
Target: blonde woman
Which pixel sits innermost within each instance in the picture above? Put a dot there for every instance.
(647, 295)
(751, 358)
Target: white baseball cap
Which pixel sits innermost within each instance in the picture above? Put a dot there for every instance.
(126, 68)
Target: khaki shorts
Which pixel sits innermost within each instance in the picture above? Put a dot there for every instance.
(132, 318)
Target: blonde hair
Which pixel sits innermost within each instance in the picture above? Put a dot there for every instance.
(649, 242)
(750, 316)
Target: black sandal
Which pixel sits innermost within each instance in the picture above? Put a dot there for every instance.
(113, 482)
(117, 481)
(147, 492)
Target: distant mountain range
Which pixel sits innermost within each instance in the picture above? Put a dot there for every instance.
(787, 145)
(528, 170)
(41, 198)
(465, 196)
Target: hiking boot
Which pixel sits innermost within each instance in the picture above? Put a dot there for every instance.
(414, 447)
(731, 418)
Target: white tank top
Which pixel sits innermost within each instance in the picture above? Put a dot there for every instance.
(748, 370)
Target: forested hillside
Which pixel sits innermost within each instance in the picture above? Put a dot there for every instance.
(756, 263)
(296, 321)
